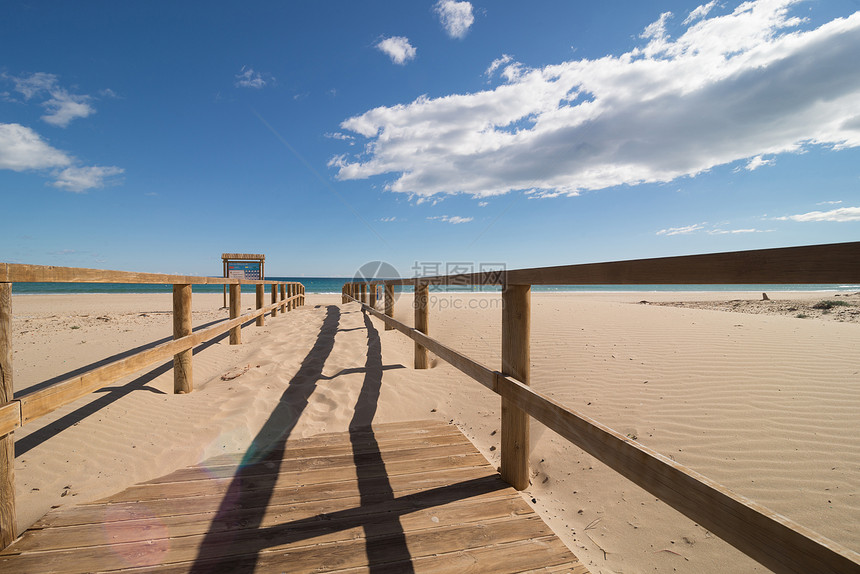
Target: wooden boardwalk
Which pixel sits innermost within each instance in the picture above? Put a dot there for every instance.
(402, 497)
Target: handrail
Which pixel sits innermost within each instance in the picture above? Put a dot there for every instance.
(22, 273)
(773, 540)
(27, 406)
(833, 263)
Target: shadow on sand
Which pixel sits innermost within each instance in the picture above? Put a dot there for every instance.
(236, 539)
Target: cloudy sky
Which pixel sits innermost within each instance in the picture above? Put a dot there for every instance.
(155, 136)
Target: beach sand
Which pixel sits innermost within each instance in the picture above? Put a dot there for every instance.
(764, 403)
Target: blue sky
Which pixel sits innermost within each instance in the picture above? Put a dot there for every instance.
(155, 136)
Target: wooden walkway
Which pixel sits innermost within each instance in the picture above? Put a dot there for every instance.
(398, 497)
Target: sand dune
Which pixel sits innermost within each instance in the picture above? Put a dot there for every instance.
(765, 404)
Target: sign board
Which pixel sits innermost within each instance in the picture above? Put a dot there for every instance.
(244, 270)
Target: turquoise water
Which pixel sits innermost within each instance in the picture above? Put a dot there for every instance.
(334, 284)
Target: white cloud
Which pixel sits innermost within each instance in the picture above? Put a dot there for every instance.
(34, 84)
(829, 202)
(710, 230)
(387, 219)
(700, 12)
(22, 149)
(757, 162)
(841, 214)
(248, 78)
(80, 179)
(64, 107)
(456, 17)
(398, 49)
(681, 230)
(497, 63)
(453, 219)
(731, 87)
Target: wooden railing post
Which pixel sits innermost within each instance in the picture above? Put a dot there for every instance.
(363, 288)
(516, 320)
(284, 307)
(302, 300)
(422, 322)
(291, 290)
(235, 309)
(8, 518)
(274, 299)
(261, 301)
(371, 295)
(389, 304)
(183, 381)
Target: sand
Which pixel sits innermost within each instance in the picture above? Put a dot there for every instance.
(764, 403)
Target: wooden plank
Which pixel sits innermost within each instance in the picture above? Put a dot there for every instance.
(515, 557)
(317, 547)
(516, 326)
(389, 305)
(330, 514)
(274, 300)
(422, 322)
(831, 263)
(235, 311)
(433, 488)
(275, 480)
(773, 540)
(317, 461)
(261, 301)
(10, 417)
(8, 516)
(183, 381)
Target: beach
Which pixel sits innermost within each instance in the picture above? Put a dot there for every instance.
(761, 396)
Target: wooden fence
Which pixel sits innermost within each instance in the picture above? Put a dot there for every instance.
(773, 540)
(27, 406)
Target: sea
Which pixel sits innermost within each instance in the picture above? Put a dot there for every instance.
(332, 285)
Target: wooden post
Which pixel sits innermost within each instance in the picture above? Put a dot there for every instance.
(8, 518)
(225, 285)
(302, 300)
(363, 289)
(422, 322)
(284, 307)
(274, 299)
(371, 295)
(183, 382)
(261, 298)
(235, 310)
(389, 304)
(516, 321)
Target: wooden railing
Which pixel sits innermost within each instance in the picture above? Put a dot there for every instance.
(19, 409)
(773, 540)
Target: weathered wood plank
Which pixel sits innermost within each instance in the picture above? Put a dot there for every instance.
(432, 487)
(316, 547)
(23, 273)
(10, 417)
(421, 302)
(332, 515)
(831, 263)
(183, 379)
(516, 324)
(318, 461)
(8, 516)
(279, 480)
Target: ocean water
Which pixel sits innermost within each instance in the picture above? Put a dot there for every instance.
(333, 285)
